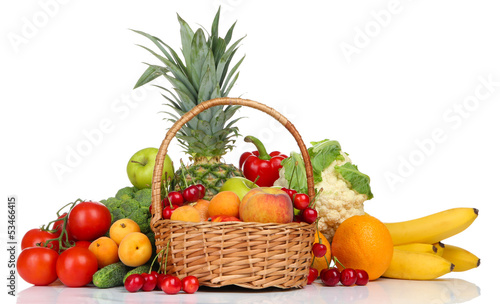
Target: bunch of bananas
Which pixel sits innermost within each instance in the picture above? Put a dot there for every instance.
(419, 253)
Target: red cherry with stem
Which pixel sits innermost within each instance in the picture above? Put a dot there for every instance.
(309, 215)
(134, 282)
(175, 198)
(167, 212)
(290, 192)
(149, 281)
(348, 277)
(171, 285)
(160, 279)
(191, 194)
(301, 201)
(202, 190)
(319, 250)
(362, 277)
(190, 284)
(330, 277)
(313, 275)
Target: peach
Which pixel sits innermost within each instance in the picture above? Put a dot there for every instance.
(266, 205)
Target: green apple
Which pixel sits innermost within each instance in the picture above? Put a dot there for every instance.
(238, 185)
(141, 165)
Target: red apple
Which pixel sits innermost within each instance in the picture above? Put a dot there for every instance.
(266, 205)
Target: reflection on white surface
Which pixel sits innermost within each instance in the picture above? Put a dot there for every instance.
(380, 291)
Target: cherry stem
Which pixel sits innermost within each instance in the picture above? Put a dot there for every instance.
(184, 176)
(263, 155)
(154, 260)
(335, 261)
(312, 204)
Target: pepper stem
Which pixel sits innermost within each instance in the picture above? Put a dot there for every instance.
(260, 147)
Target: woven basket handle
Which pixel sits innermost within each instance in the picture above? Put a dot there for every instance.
(160, 158)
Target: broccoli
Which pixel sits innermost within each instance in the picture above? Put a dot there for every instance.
(125, 205)
(127, 192)
(143, 196)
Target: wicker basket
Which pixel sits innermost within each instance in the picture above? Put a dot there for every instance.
(246, 254)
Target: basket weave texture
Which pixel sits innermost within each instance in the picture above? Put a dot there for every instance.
(246, 254)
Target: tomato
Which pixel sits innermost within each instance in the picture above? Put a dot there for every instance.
(83, 244)
(88, 221)
(58, 225)
(76, 266)
(35, 237)
(37, 265)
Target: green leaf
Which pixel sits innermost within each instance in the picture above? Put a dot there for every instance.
(186, 38)
(299, 180)
(156, 41)
(218, 120)
(218, 50)
(322, 154)
(215, 25)
(225, 91)
(229, 34)
(359, 182)
(149, 75)
(199, 52)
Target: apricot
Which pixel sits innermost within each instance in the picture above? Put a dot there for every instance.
(186, 213)
(105, 250)
(224, 203)
(121, 228)
(135, 249)
(202, 206)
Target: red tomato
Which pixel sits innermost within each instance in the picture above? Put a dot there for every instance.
(89, 220)
(37, 265)
(35, 237)
(59, 224)
(83, 244)
(76, 266)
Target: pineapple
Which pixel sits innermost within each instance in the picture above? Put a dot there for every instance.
(204, 74)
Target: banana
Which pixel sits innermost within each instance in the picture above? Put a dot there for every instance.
(411, 265)
(432, 228)
(418, 247)
(463, 259)
(440, 248)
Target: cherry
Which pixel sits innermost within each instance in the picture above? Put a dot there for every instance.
(167, 211)
(190, 284)
(202, 190)
(171, 285)
(175, 198)
(330, 277)
(319, 250)
(309, 215)
(191, 194)
(149, 281)
(313, 274)
(134, 282)
(348, 277)
(301, 201)
(290, 192)
(160, 279)
(362, 278)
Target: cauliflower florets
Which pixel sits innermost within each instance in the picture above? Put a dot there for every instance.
(337, 201)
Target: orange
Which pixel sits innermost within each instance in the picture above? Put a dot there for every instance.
(105, 250)
(224, 203)
(323, 262)
(202, 206)
(363, 242)
(186, 213)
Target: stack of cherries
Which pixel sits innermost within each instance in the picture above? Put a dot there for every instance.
(302, 202)
(175, 199)
(168, 283)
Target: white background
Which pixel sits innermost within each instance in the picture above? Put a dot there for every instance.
(416, 68)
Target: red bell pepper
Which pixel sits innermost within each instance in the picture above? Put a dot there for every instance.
(259, 166)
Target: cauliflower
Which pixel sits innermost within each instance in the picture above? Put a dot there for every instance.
(344, 188)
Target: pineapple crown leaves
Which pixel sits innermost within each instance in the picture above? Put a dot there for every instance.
(204, 74)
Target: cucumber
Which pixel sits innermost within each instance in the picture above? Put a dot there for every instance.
(139, 270)
(110, 276)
